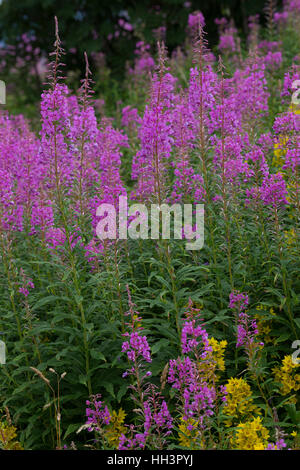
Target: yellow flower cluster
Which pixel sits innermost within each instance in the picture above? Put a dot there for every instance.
(218, 350)
(251, 435)
(291, 189)
(264, 325)
(295, 108)
(296, 443)
(280, 148)
(189, 437)
(239, 402)
(288, 376)
(115, 428)
(8, 434)
(214, 361)
(290, 237)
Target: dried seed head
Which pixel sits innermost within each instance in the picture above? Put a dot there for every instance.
(8, 418)
(73, 446)
(41, 375)
(84, 426)
(163, 378)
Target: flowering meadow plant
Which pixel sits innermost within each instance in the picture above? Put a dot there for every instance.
(158, 347)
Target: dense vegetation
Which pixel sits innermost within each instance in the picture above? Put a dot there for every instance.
(108, 31)
(135, 344)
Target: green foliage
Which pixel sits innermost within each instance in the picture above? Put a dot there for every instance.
(74, 318)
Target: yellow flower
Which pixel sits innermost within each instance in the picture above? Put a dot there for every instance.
(264, 325)
(291, 240)
(115, 428)
(280, 147)
(214, 361)
(189, 434)
(218, 350)
(239, 403)
(135, 317)
(290, 236)
(294, 108)
(8, 434)
(287, 376)
(251, 435)
(292, 191)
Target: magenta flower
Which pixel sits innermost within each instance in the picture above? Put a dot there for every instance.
(273, 191)
(97, 414)
(238, 300)
(192, 337)
(194, 20)
(137, 347)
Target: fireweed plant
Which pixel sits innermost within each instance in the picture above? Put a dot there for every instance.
(158, 347)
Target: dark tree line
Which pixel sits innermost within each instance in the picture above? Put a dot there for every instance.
(87, 24)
